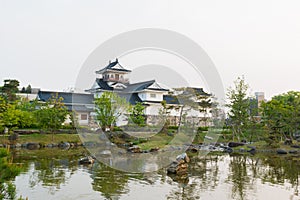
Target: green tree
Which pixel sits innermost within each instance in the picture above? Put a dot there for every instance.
(52, 114)
(9, 89)
(109, 107)
(281, 115)
(11, 117)
(3, 108)
(28, 89)
(239, 105)
(19, 114)
(136, 114)
(23, 90)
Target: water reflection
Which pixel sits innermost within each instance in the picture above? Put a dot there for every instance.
(56, 174)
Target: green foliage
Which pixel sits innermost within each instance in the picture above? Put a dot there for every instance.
(109, 107)
(239, 106)
(202, 128)
(14, 115)
(282, 115)
(26, 90)
(173, 127)
(74, 121)
(137, 115)
(11, 117)
(52, 114)
(9, 89)
(116, 128)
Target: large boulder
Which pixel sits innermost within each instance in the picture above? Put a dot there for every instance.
(134, 149)
(64, 145)
(32, 146)
(86, 160)
(235, 144)
(281, 151)
(293, 151)
(295, 146)
(179, 166)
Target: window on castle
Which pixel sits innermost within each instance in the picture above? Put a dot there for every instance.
(153, 95)
(111, 76)
(117, 76)
(83, 116)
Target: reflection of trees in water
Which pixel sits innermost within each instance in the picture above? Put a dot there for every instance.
(243, 173)
(50, 167)
(113, 183)
(52, 173)
(281, 170)
(239, 176)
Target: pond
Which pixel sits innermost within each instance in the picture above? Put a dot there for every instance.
(55, 174)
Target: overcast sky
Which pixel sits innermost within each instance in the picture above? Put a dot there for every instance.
(45, 43)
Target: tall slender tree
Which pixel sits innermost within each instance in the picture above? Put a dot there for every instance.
(239, 107)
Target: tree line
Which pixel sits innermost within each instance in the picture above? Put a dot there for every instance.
(21, 113)
(275, 120)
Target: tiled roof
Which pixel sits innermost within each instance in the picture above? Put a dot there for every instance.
(113, 66)
(75, 101)
(131, 98)
(138, 86)
(103, 84)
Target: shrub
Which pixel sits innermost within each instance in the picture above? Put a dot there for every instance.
(116, 128)
(202, 128)
(173, 127)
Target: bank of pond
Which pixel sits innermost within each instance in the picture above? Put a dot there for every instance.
(56, 174)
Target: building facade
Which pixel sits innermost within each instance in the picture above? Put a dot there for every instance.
(114, 78)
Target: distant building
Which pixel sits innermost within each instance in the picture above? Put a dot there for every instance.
(260, 97)
(81, 103)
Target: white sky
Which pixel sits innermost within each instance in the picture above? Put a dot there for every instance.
(44, 43)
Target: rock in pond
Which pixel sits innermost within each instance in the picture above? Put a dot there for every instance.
(281, 151)
(293, 151)
(134, 149)
(235, 144)
(32, 146)
(296, 146)
(179, 166)
(86, 160)
(155, 149)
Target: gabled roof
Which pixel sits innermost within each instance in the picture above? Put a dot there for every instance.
(68, 97)
(75, 101)
(156, 86)
(131, 98)
(149, 85)
(135, 87)
(103, 84)
(115, 66)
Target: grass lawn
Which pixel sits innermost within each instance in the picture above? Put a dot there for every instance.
(159, 140)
